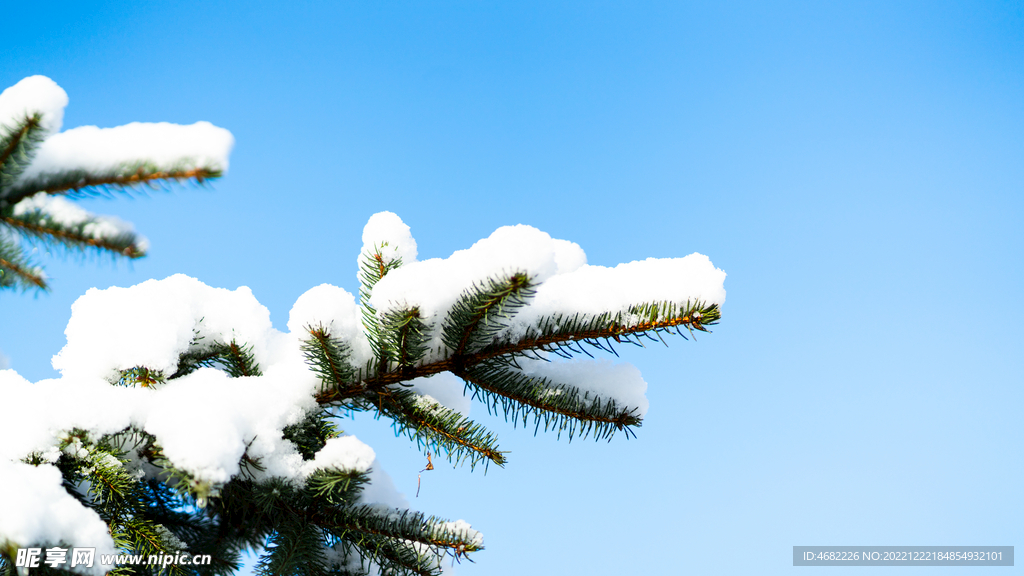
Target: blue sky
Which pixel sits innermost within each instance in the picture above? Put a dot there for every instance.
(856, 168)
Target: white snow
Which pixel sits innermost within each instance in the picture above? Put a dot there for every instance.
(464, 530)
(343, 453)
(567, 284)
(594, 290)
(37, 510)
(59, 210)
(104, 150)
(89, 404)
(152, 323)
(29, 96)
(239, 413)
(386, 232)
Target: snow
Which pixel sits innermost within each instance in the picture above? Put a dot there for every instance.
(104, 150)
(61, 211)
(434, 285)
(37, 510)
(152, 323)
(386, 232)
(243, 414)
(464, 530)
(31, 95)
(343, 453)
(593, 290)
(89, 404)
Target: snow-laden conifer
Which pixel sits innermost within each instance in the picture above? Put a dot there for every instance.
(182, 418)
(184, 422)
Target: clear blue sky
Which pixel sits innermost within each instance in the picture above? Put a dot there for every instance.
(856, 167)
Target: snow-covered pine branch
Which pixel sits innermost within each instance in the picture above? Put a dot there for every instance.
(40, 166)
(181, 410)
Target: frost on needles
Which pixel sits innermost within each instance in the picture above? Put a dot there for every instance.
(183, 419)
(41, 167)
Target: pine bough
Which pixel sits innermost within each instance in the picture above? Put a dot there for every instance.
(40, 168)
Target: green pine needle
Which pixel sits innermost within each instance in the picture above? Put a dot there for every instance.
(484, 310)
(127, 177)
(81, 237)
(18, 145)
(438, 429)
(16, 270)
(404, 338)
(559, 407)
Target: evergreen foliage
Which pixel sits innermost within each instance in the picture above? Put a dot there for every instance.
(319, 525)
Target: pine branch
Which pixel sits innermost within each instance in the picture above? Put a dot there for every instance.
(39, 225)
(239, 361)
(164, 509)
(311, 434)
(404, 338)
(121, 179)
(196, 357)
(119, 497)
(481, 312)
(300, 522)
(140, 376)
(236, 359)
(184, 484)
(373, 266)
(336, 487)
(146, 539)
(244, 511)
(392, 558)
(396, 557)
(296, 548)
(558, 406)
(437, 428)
(17, 147)
(337, 570)
(329, 359)
(558, 334)
(366, 522)
(15, 270)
